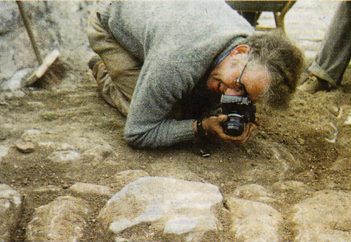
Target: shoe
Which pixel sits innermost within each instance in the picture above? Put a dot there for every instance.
(313, 84)
(93, 60)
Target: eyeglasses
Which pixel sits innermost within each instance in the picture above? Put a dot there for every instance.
(238, 81)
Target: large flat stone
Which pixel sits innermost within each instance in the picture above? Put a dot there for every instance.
(173, 207)
(64, 219)
(253, 221)
(326, 216)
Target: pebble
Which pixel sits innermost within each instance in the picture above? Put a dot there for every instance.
(341, 164)
(334, 110)
(204, 153)
(48, 188)
(290, 186)
(4, 133)
(64, 156)
(31, 134)
(25, 147)
(254, 192)
(2, 103)
(301, 141)
(3, 151)
(87, 189)
(348, 121)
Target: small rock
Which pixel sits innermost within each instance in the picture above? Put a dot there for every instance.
(203, 152)
(120, 239)
(334, 110)
(34, 104)
(50, 116)
(4, 133)
(16, 80)
(48, 188)
(301, 141)
(63, 146)
(99, 153)
(14, 94)
(30, 134)
(46, 144)
(65, 186)
(6, 104)
(341, 164)
(54, 145)
(4, 150)
(91, 189)
(307, 174)
(64, 156)
(254, 192)
(25, 147)
(348, 120)
(286, 186)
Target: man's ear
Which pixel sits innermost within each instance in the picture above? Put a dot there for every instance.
(240, 49)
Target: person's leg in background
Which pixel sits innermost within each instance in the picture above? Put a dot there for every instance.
(117, 71)
(327, 69)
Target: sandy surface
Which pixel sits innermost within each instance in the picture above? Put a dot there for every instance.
(291, 145)
(308, 142)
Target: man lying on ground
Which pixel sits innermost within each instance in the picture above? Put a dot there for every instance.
(165, 64)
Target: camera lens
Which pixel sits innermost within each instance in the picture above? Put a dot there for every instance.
(234, 126)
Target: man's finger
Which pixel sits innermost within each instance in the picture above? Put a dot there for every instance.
(222, 118)
(251, 128)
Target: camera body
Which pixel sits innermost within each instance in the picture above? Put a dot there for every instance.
(240, 110)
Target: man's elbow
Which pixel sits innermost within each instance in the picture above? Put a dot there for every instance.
(138, 141)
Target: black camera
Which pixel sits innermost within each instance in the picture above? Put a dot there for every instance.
(240, 110)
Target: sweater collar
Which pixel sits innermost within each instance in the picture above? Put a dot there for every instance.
(224, 53)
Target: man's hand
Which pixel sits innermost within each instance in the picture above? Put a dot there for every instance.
(213, 126)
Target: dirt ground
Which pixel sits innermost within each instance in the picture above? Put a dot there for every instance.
(78, 116)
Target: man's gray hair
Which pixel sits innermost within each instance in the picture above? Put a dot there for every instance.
(284, 61)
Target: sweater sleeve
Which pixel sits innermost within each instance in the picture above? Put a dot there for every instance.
(160, 85)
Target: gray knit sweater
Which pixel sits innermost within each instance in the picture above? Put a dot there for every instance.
(178, 42)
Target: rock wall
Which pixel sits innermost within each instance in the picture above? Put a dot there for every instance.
(56, 25)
